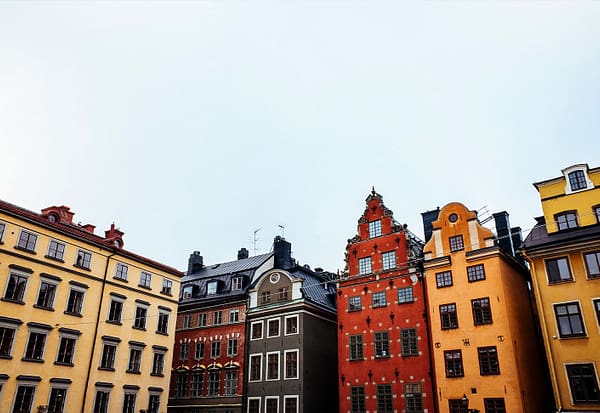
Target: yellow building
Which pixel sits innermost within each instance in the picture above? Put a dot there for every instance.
(85, 325)
(563, 250)
(484, 346)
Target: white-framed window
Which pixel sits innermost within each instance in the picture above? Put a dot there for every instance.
(202, 320)
(46, 293)
(272, 364)
(577, 179)
(187, 321)
(56, 250)
(145, 279)
(291, 324)
(109, 353)
(84, 259)
(66, 347)
(24, 396)
(231, 382)
(101, 399)
(290, 361)
(215, 349)
(255, 373)
(27, 241)
(583, 382)
(115, 311)
(36, 342)
(153, 401)
(141, 314)
(232, 347)
(135, 357)
(167, 287)
(388, 260)
(236, 283)
(16, 286)
(256, 330)
(163, 322)
(121, 271)
(290, 403)
(199, 351)
(57, 399)
(211, 287)
(569, 319)
(2, 230)
(75, 300)
(379, 299)
(218, 318)
(364, 265)
(8, 332)
(375, 229)
(129, 398)
(254, 405)
(272, 404)
(273, 327)
(158, 360)
(234, 316)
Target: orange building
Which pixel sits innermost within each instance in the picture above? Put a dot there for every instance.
(482, 326)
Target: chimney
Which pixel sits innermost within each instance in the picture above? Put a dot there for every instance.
(243, 253)
(517, 237)
(195, 263)
(283, 253)
(503, 232)
(428, 218)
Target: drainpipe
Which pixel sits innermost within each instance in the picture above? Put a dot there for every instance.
(87, 379)
(542, 320)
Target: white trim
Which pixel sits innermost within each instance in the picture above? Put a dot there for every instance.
(2, 233)
(15, 271)
(285, 318)
(579, 167)
(571, 363)
(291, 396)
(271, 398)
(37, 236)
(260, 355)
(89, 267)
(596, 313)
(252, 330)
(28, 383)
(60, 243)
(554, 304)
(253, 398)
(297, 351)
(278, 320)
(267, 365)
(14, 327)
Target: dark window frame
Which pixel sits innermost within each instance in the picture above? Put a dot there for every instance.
(569, 319)
(482, 311)
(448, 316)
(566, 220)
(381, 341)
(476, 273)
(410, 342)
(356, 347)
(592, 264)
(583, 383)
(453, 363)
(488, 361)
(456, 243)
(443, 279)
(577, 180)
(555, 271)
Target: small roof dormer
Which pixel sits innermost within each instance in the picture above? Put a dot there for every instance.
(114, 236)
(58, 214)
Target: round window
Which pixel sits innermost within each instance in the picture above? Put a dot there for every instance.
(274, 277)
(453, 218)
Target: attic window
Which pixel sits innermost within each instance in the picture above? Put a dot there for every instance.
(236, 283)
(577, 178)
(53, 218)
(211, 288)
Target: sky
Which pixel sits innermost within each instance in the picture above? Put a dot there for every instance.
(192, 124)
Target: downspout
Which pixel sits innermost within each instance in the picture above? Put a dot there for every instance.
(429, 344)
(87, 379)
(542, 320)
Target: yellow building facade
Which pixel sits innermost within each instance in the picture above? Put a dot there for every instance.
(563, 250)
(85, 325)
(485, 349)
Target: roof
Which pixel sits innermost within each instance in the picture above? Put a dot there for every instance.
(316, 288)
(539, 238)
(245, 264)
(78, 232)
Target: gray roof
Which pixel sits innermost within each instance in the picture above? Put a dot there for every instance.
(317, 287)
(538, 237)
(231, 267)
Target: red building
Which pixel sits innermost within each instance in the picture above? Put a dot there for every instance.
(383, 345)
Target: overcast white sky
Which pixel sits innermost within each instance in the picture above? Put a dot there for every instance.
(191, 124)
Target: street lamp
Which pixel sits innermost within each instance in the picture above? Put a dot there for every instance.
(464, 405)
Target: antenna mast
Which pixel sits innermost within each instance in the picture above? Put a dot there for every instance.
(254, 240)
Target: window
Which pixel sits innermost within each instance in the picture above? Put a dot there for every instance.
(129, 401)
(255, 367)
(46, 294)
(256, 329)
(284, 293)
(181, 384)
(569, 320)
(66, 350)
(2, 228)
(211, 287)
(494, 405)
(413, 393)
(384, 398)
(597, 308)
(27, 241)
(199, 351)
(405, 295)
(186, 321)
(167, 287)
(443, 279)
(145, 279)
(196, 379)
(291, 325)
(214, 376)
(234, 316)
(448, 316)
(592, 263)
(488, 361)
(455, 406)
(253, 405)
(84, 259)
(231, 379)
(153, 403)
(364, 265)
(16, 286)
(121, 272)
(375, 229)
(202, 320)
(291, 364)
(596, 212)
(583, 383)
(577, 180)
(24, 398)
(75, 301)
(265, 297)
(476, 273)
(290, 404)
(56, 250)
(382, 344)
(566, 220)
(409, 339)
(101, 402)
(141, 314)
(356, 347)
(453, 361)
(56, 402)
(271, 404)
(7, 336)
(354, 303)
(163, 323)
(558, 270)
(217, 318)
(109, 352)
(357, 399)
(482, 313)
(158, 362)
(183, 351)
(232, 347)
(115, 311)
(215, 349)
(456, 243)
(273, 366)
(236, 283)
(379, 299)
(135, 360)
(388, 260)
(273, 328)
(35, 345)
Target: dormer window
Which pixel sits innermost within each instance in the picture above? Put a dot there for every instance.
(596, 214)
(188, 291)
(211, 288)
(375, 229)
(236, 283)
(577, 178)
(566, 220)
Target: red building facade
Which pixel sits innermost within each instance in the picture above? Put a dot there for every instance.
(383, 345)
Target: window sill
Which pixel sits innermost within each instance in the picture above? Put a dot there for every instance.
(380, 306)
(406, 302)
(73, 314)
(60, 363)
(139, 328)
(32, 360)
(55, 258)
(573, 336)
(570, 280)
(157, 375)
(133, 372)
(162, 333)
(25, 250)
(381, 357)
(121, 279)
(354, 311)
(355, 360)
(144, 287)
(106, 368)
(5, 357)
(81, 267)
(410, 355)
(114, 322)
(10, 300)
(43, 308)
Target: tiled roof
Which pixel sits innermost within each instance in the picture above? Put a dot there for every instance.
(245, 264)
(316, 288)
(77, 232)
